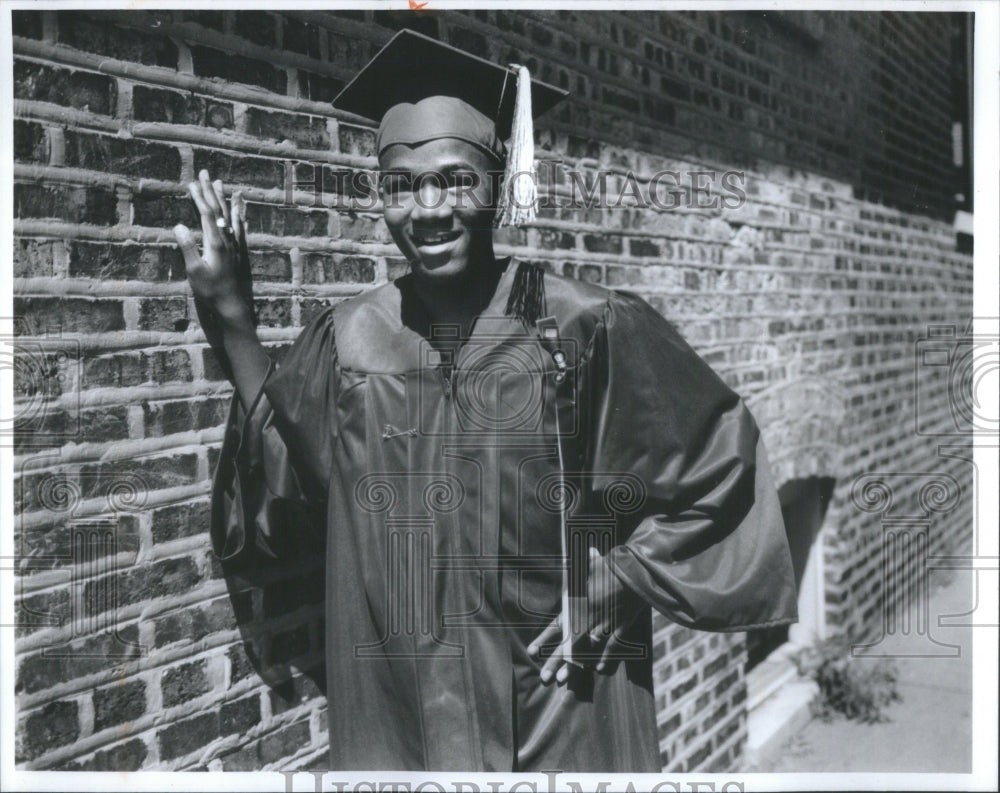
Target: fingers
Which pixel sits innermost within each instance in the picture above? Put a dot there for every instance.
(189, 248)
(611, 654)
(237, 218)
(556, 667)
(548, 636)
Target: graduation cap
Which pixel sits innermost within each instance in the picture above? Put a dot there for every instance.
(419, 89)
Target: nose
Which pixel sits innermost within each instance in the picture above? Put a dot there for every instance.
(432, 202)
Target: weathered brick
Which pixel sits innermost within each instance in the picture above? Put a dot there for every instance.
(180, 520)
(186, 736)
(302, 37)
(82, 90)
(77, 658)
(210, 62)
(240, 169)
(299, 689)
(127, 262)
(164, 211)
(43, 610)
(117, 370)
(101, 32)
(70, 315)
(332, 268)
(118, 703)
(127, 756)
(30, 142)
(239, 716)
(270, 266)
(318, 88)
(195, 623)
(56, 724)
(128, 156)
(174, 107)
(96, 205)
(186, 681)
(307, 131)
(600, 243)
(183, 415)
(273, 312)
(284, 742)
(260, 27)
(166, 313)
(33, 258)
(160, 579)
(269, 219)
(359, 141)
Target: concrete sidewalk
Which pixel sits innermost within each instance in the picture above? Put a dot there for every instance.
(929, 730)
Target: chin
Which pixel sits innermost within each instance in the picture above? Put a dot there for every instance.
(450, 270)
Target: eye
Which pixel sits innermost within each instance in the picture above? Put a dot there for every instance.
(465, 180)
(393, 183)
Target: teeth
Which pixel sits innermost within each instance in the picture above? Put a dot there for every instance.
(434, 239)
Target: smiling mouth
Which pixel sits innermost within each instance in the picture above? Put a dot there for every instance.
(426, 239)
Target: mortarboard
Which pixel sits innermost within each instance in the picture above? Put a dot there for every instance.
(419, 89)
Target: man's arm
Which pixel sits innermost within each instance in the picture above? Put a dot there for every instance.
(214, 275)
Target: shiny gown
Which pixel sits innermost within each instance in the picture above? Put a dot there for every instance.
(459, 493)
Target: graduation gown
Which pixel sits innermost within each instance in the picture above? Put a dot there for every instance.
(454, 489)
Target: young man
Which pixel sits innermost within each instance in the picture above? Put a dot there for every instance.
(511, 466)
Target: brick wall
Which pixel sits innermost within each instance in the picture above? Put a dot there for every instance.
(809, 299)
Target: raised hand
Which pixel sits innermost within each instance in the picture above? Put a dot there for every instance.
(219, 274)
(612, 608)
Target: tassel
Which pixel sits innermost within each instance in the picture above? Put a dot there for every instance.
(519, 193)
(527, 294)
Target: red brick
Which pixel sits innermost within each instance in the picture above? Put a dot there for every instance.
(173, 107)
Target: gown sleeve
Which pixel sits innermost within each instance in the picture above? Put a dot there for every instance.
(270, 483)
(707, 548)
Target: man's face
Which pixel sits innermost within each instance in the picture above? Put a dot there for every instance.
(438, 198)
